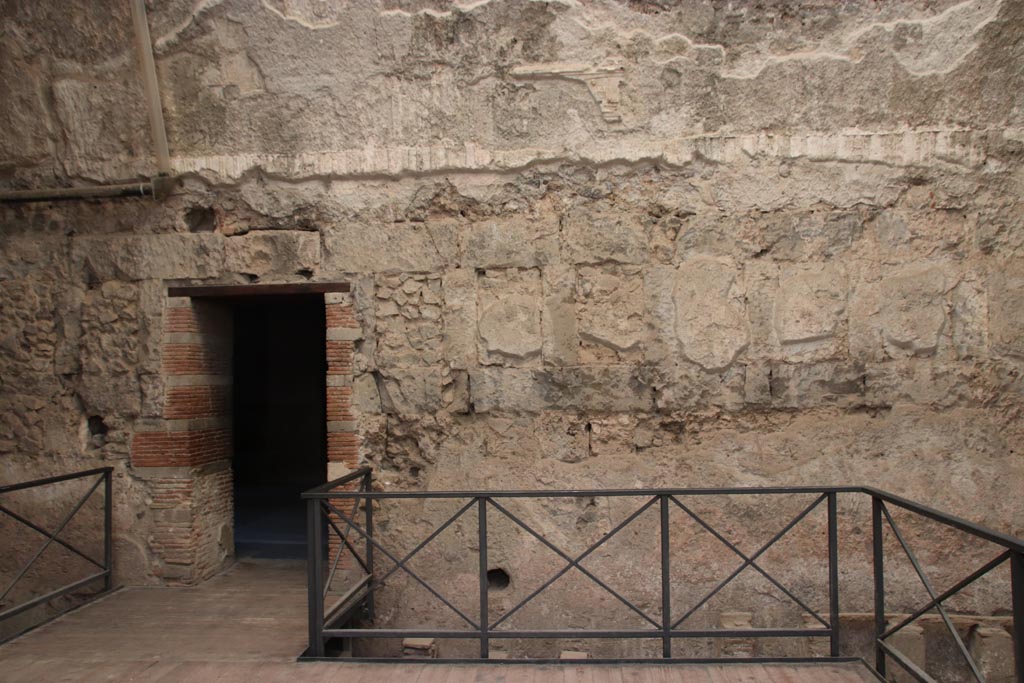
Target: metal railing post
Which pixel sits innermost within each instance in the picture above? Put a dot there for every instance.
(314, 578)
(666, 588)
(879, 575)
(1017, 589)
(484, 610)
(368, 503)
(833, 575)
(108, 530)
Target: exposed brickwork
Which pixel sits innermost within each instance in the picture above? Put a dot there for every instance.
(193, 504)
(196, 359)
(343, 447)
(339, 357)
(181, 448)
(197, 401)
(342, 440)
(341, 315)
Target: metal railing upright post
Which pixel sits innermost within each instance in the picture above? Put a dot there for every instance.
(368, 503)
(108, 530)
(666, 588)
(484, 609)
(1017, 589)
(833, 575)
(314, 577)
(879, 575)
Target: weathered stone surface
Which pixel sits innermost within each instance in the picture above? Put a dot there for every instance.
(409, 329)
(1006, 310)
(410, 391)
(913, 310)
(711, 322)
(510, 312)
(359, 248)
(149, 256)
(610, 307)
(809, 312)
(561, 343)
(611, 387)
(601, 233)
(273, 254)
(513, 242)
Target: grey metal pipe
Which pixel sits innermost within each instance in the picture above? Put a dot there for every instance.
(152, 89)
(158, 188)
(142, 189)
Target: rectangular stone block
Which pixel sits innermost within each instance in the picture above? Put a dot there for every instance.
(614, 388)
(389, 248)
(519, 241)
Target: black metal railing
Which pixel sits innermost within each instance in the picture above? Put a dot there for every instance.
(105, 566)
(325, 503)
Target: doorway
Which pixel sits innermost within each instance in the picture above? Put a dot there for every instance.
(279, 427)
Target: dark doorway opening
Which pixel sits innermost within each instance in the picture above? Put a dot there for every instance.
(280, 430)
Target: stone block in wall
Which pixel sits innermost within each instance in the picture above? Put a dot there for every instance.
(101, 121)
(409, 320)
(23, 108)
(509, 316)
(410, 391)
(969, 321)
(389, 247)
(926, 382)
(509, 242)
(992, 650)
(365, 395)
(110, 393)
(903, 315)
(148, 257)
(817, 384)
(809, 313)
(460, 339)
(911, 642)
(711, 322)
(613, 388)
(610, 313)
(558, 320)
(689, 387)
(1006, 310)
(598, 234)
(662, 346)
(110, 329)
(269, 253)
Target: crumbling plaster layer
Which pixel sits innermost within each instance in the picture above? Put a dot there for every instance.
(369, 88)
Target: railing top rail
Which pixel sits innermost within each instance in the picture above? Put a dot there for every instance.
(327, 491)
(7, 488)
(997, 537)
(322, 489)
(324, 492)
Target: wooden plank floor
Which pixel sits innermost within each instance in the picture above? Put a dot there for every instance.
(168, 635)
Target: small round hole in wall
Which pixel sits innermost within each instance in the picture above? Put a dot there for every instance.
(497, 579)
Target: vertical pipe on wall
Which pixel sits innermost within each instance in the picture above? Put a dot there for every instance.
(150, 86)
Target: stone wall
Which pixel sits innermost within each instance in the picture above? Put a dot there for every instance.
(610, 244)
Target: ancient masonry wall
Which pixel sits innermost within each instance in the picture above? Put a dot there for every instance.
(610, 244)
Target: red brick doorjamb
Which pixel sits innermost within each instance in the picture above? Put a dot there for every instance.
(185, 455)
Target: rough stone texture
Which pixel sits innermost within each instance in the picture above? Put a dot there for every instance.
(601, 244)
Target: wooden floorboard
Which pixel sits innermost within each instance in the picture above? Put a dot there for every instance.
(249, 624)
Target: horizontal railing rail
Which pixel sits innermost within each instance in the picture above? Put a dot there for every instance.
(103, 477)
(665, 623)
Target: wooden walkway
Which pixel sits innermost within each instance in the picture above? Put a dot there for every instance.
(190, 634)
